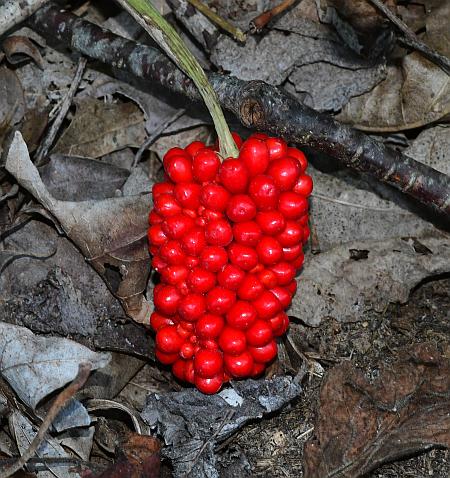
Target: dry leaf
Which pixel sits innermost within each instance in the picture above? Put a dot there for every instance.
(111, 233)
(362, 425)
(19, 48)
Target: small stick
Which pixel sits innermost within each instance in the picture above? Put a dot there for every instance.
(156, 134)
(59, 403)
(13, 12)
(236, 32)
(45, 145)
(258, 23)
(410, 39)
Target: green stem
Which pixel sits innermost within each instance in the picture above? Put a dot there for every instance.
(168, 39)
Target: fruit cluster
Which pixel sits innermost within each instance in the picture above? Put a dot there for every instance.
(226, 239)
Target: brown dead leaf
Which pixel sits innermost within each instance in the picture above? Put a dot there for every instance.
(12, 101)
(19, 48)
(111, 233)
(99, 128)
(362, 425)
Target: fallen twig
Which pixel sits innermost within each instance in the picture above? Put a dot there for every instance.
(13, 12)
(59, 403)
(257, 105)
(258, 23)
(47, 142)
(410, 39)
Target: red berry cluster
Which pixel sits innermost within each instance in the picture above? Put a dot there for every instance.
(226, 239)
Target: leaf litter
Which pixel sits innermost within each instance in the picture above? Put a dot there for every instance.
(375, 278)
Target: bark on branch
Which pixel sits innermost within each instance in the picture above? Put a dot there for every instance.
(256, 104)
(13, 12)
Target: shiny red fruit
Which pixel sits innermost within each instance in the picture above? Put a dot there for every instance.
(179, 369)
(271, 222)
(188, 195)
(189, 373)
(264, 192)
(205, 165)
(284, 271)
(232, 341)
(214, 197)
(208, 363)
(268, 278)
(251, 288)
(187, 350)
(283, 295)
(290, 254)
(242, 256)
(239, 366)
(265, 353)
(277, 148)
(209, 386)
(156, 236)
(282, 326)
(285, 172)
(304, 185)
(174, 152)
(200, 280)
(219, 300)
(241, 315)
(194, 241)
(166, 205)
(209, 326)
(292, 205)
(162, 188)
(179, 169)
(168, 340)
(154, 218)
(230, 277)
(298, 262)
(267, 305)
(247, 233)
(157, 321)
(166, 299)
(191, 307)
(234, 175)
(255, 156)
(258, 369)
(193, 148)
(175, 227)
(213, 258)
(269, 250)
(174, 274)
(218, 232)
(259, 334)
(166, 359)
(172, 253)
(241, 208)
(291, 235)
(299, 156)
(292, 287)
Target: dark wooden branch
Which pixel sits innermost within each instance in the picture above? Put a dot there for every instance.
(256, 104)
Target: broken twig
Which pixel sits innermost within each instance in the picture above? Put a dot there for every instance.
(258, 23)
(59, 403)
(13, 12)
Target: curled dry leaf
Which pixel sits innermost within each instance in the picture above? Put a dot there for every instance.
(111, 233)
(18, 48)
(12, 101)
(362, 425)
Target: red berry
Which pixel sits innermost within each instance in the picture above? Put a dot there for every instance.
(251, 288)
(241, 315)
(194, 241)
(285, 172)
(258, 369)
(173, 152)
(290, 254)
(166, 359)
(268, 278)
(209, 326)
(282, 295)
(264, 354)
(156, 236)
(233, 175)
(174, 274)
(157, 321)
(264, 192)
(218, 232)
(299, 156)
(162, 188)
(259, 334)
(271, 222)
(298, 262)
(267, 305)
(219, 300)
(179, 169)
(284, 271)
(193, 148)
(292, 287)
(209, 386)
(166, 299)
(191, 307)
(277, 320)
(232, 341)
(214, 197)
(292, 205)
(303, 220)
(172, 253)
(208, 363)
(247, 233)
(239, 366)
(177, 226)
(188, 195)
(205, 165)
(241, 208)
(277, 148)
(213, 258)
(304, 185)
(200, 280)
(179, 369)
(255, 155)
(262, 136)
(291, 235)
(158, 264)
(154, 218)
(269, 250)
(282, 328)
(242, 256)
(166, 205)
(189, 373)
(230, 277)
(191, 262)
(306, 233)
(168, 340)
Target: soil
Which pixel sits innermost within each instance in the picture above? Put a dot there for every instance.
(274, 447)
